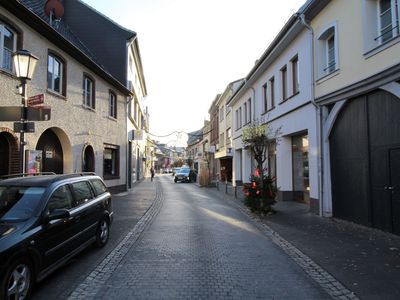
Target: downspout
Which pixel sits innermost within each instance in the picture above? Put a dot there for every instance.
(318, 115)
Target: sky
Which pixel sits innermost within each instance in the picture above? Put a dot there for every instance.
(191, 50)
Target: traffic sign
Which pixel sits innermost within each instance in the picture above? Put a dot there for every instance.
(36, 100)
(38, 113)
(24, 127)
(17, 113)
(10, 113)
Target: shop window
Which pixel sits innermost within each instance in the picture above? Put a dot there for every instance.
(111, 162)
(301, 182)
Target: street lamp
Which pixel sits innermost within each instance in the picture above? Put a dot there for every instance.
(24, 64)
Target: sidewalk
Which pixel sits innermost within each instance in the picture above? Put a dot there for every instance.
(365, 260)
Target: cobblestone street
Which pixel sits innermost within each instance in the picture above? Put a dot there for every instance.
(191, 246)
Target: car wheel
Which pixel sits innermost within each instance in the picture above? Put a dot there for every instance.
(18, 280)
(103, 231)
(175, 180)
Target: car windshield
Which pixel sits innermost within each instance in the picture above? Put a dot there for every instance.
(19, 203)
(184, 171)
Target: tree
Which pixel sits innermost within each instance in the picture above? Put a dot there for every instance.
(261, 192)
(258, 138)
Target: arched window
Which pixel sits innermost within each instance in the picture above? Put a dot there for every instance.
(327, 52)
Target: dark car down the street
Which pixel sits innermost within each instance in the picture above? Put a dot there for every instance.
(46, 220)
(185, 175)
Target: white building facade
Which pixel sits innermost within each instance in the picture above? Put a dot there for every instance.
(224, 151)
(278, 92)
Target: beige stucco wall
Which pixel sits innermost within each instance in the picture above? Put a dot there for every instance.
(75, 125)
(355, 63)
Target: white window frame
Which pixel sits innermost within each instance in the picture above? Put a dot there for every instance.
(373, 42)
(245, 112)
(271, 83)
(228, 136)
(294, 62)
(248, 117)
(112, 98)
(4, 27)
(394, 14)
(61, 72)
(284, 83)
(330, 61)
(323, 66)
(240, 117)
(88, 92)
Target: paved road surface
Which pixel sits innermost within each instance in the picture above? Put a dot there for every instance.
(200, 247)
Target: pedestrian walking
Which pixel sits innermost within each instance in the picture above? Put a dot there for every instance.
(152, 173)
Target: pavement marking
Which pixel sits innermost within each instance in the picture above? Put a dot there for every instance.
(98, 277)
(329, 283)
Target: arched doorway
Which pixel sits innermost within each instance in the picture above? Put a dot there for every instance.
(53, 159)
(365, 161)
(88, 159)
(4, 154)
(9, 153)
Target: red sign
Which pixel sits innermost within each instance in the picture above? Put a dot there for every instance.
(36, 100)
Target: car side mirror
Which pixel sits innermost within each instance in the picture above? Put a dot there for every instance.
(58, 214)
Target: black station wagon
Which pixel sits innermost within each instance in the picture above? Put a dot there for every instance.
(44, 221)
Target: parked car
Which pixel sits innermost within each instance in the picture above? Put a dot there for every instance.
(45, 221)
(185, 175)
(174, 171)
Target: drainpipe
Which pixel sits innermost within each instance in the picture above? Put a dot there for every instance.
(318, 115)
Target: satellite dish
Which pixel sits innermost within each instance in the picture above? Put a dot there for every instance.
(54, 6)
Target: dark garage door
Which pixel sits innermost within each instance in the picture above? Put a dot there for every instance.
(364, 161)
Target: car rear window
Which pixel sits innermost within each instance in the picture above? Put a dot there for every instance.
(99, 186)
(19, 203)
